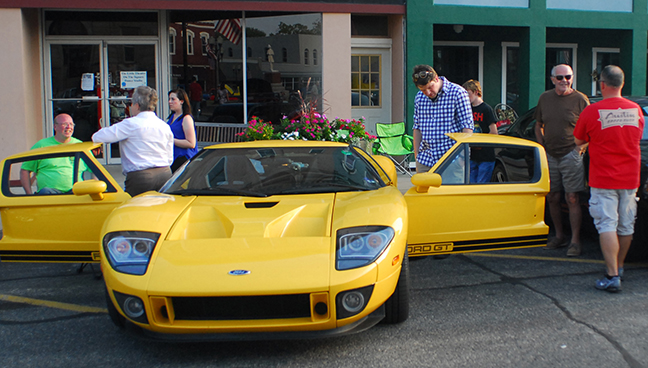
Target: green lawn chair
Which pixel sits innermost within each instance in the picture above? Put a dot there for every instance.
(395, 144)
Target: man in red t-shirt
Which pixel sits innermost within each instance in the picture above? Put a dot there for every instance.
(195, 96)
(613, 128)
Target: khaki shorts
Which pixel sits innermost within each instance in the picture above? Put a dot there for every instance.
(567, 172)
(613, 210)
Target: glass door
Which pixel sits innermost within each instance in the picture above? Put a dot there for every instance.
(93, 81)
(128, 65)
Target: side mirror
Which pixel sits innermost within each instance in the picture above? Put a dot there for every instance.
(93, 188)
(424, 181)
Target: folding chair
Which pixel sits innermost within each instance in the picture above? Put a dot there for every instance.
(393, 142)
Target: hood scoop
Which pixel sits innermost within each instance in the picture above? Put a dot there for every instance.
(226, 217)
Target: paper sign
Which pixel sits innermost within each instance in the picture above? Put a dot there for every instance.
(132, 79)
(87, 82)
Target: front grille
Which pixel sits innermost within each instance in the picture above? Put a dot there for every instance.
(242, 307)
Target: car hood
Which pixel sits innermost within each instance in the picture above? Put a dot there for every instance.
(237, 245)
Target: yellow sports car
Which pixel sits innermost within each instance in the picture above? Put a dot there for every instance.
(266, 239)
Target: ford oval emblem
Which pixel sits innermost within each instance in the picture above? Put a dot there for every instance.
(239, 272)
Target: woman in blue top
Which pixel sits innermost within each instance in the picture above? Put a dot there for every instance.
(182, 126)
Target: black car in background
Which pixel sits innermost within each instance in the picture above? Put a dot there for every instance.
(524, 127)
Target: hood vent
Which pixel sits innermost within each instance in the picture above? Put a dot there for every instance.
(260, 204)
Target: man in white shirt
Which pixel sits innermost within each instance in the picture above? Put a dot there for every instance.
(145, 144)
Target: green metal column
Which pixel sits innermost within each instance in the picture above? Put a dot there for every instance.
(420, 50)
(532, 66)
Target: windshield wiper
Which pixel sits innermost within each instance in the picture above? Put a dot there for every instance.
(218, 191)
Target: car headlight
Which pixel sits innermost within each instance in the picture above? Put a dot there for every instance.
(130, 251)
(359, 246)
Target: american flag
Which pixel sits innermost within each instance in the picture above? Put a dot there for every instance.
(230, 29)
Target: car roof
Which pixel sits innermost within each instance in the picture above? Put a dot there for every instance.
(72, 147)
(490, 138)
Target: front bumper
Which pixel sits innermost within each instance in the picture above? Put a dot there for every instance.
(361, 325)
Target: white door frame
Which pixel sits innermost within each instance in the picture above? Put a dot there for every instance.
(382, 47)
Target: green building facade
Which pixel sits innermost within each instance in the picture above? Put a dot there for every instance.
(510, 46)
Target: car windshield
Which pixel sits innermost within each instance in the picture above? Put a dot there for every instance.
(270, 171)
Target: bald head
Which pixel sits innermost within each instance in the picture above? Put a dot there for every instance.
(613, 76)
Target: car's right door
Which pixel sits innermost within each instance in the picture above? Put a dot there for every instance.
(450, 214)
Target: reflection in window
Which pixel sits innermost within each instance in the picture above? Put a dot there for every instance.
(273, 88)
(365, 80)
(314, 56)
(172, 41)
(453, 170)
(306, 56)
(190, 41)
(204, 40)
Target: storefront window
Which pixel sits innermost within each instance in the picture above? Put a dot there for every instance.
(279, 74)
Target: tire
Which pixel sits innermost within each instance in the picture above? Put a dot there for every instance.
(115, 317)
(397, 306)
(499, 174)
(638, 251)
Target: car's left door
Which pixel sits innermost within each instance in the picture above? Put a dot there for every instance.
(450, 214)
(55, 225)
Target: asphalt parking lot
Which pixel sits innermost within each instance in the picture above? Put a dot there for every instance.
(520, 308)
(517, 308)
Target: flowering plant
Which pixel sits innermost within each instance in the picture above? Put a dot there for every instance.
(257, 130)
(309, 128)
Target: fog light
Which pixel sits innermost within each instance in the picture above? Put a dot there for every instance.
(133, 307)
(351, 302)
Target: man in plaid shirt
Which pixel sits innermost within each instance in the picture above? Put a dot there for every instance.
(440, 107)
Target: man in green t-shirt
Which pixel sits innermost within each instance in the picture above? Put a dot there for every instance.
(53, 175)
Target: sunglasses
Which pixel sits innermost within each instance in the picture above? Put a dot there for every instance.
(560, 77)
(421, 75)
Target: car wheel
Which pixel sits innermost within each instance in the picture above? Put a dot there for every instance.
(397, 306)
(499, 174)
(639, 248)
(116, 318)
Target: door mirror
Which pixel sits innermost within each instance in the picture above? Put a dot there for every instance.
(424, 181)
(93, 188)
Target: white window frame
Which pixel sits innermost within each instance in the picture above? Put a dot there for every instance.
(172, 40)
(479, 45)
(191, 36)
(204, 40)
(595, 51)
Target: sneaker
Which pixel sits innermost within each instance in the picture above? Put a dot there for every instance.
(620, 271)
(574, 250)
(556, 243)
(612, 285)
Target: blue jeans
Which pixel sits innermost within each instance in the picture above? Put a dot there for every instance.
(481, 172)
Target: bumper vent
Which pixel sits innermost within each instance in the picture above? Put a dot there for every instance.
(242, 307)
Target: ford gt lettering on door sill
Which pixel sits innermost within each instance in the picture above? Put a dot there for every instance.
(477, 245)
(429, 249)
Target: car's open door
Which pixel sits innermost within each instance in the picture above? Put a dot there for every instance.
(56, 227)
(449, 214)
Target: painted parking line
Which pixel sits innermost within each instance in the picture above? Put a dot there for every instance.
(51, 304)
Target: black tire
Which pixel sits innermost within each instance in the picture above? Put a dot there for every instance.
(499, 174)
(638, 251)
(115, 317)
(397, 306)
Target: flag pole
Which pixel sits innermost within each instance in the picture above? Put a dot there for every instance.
(245, 97)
